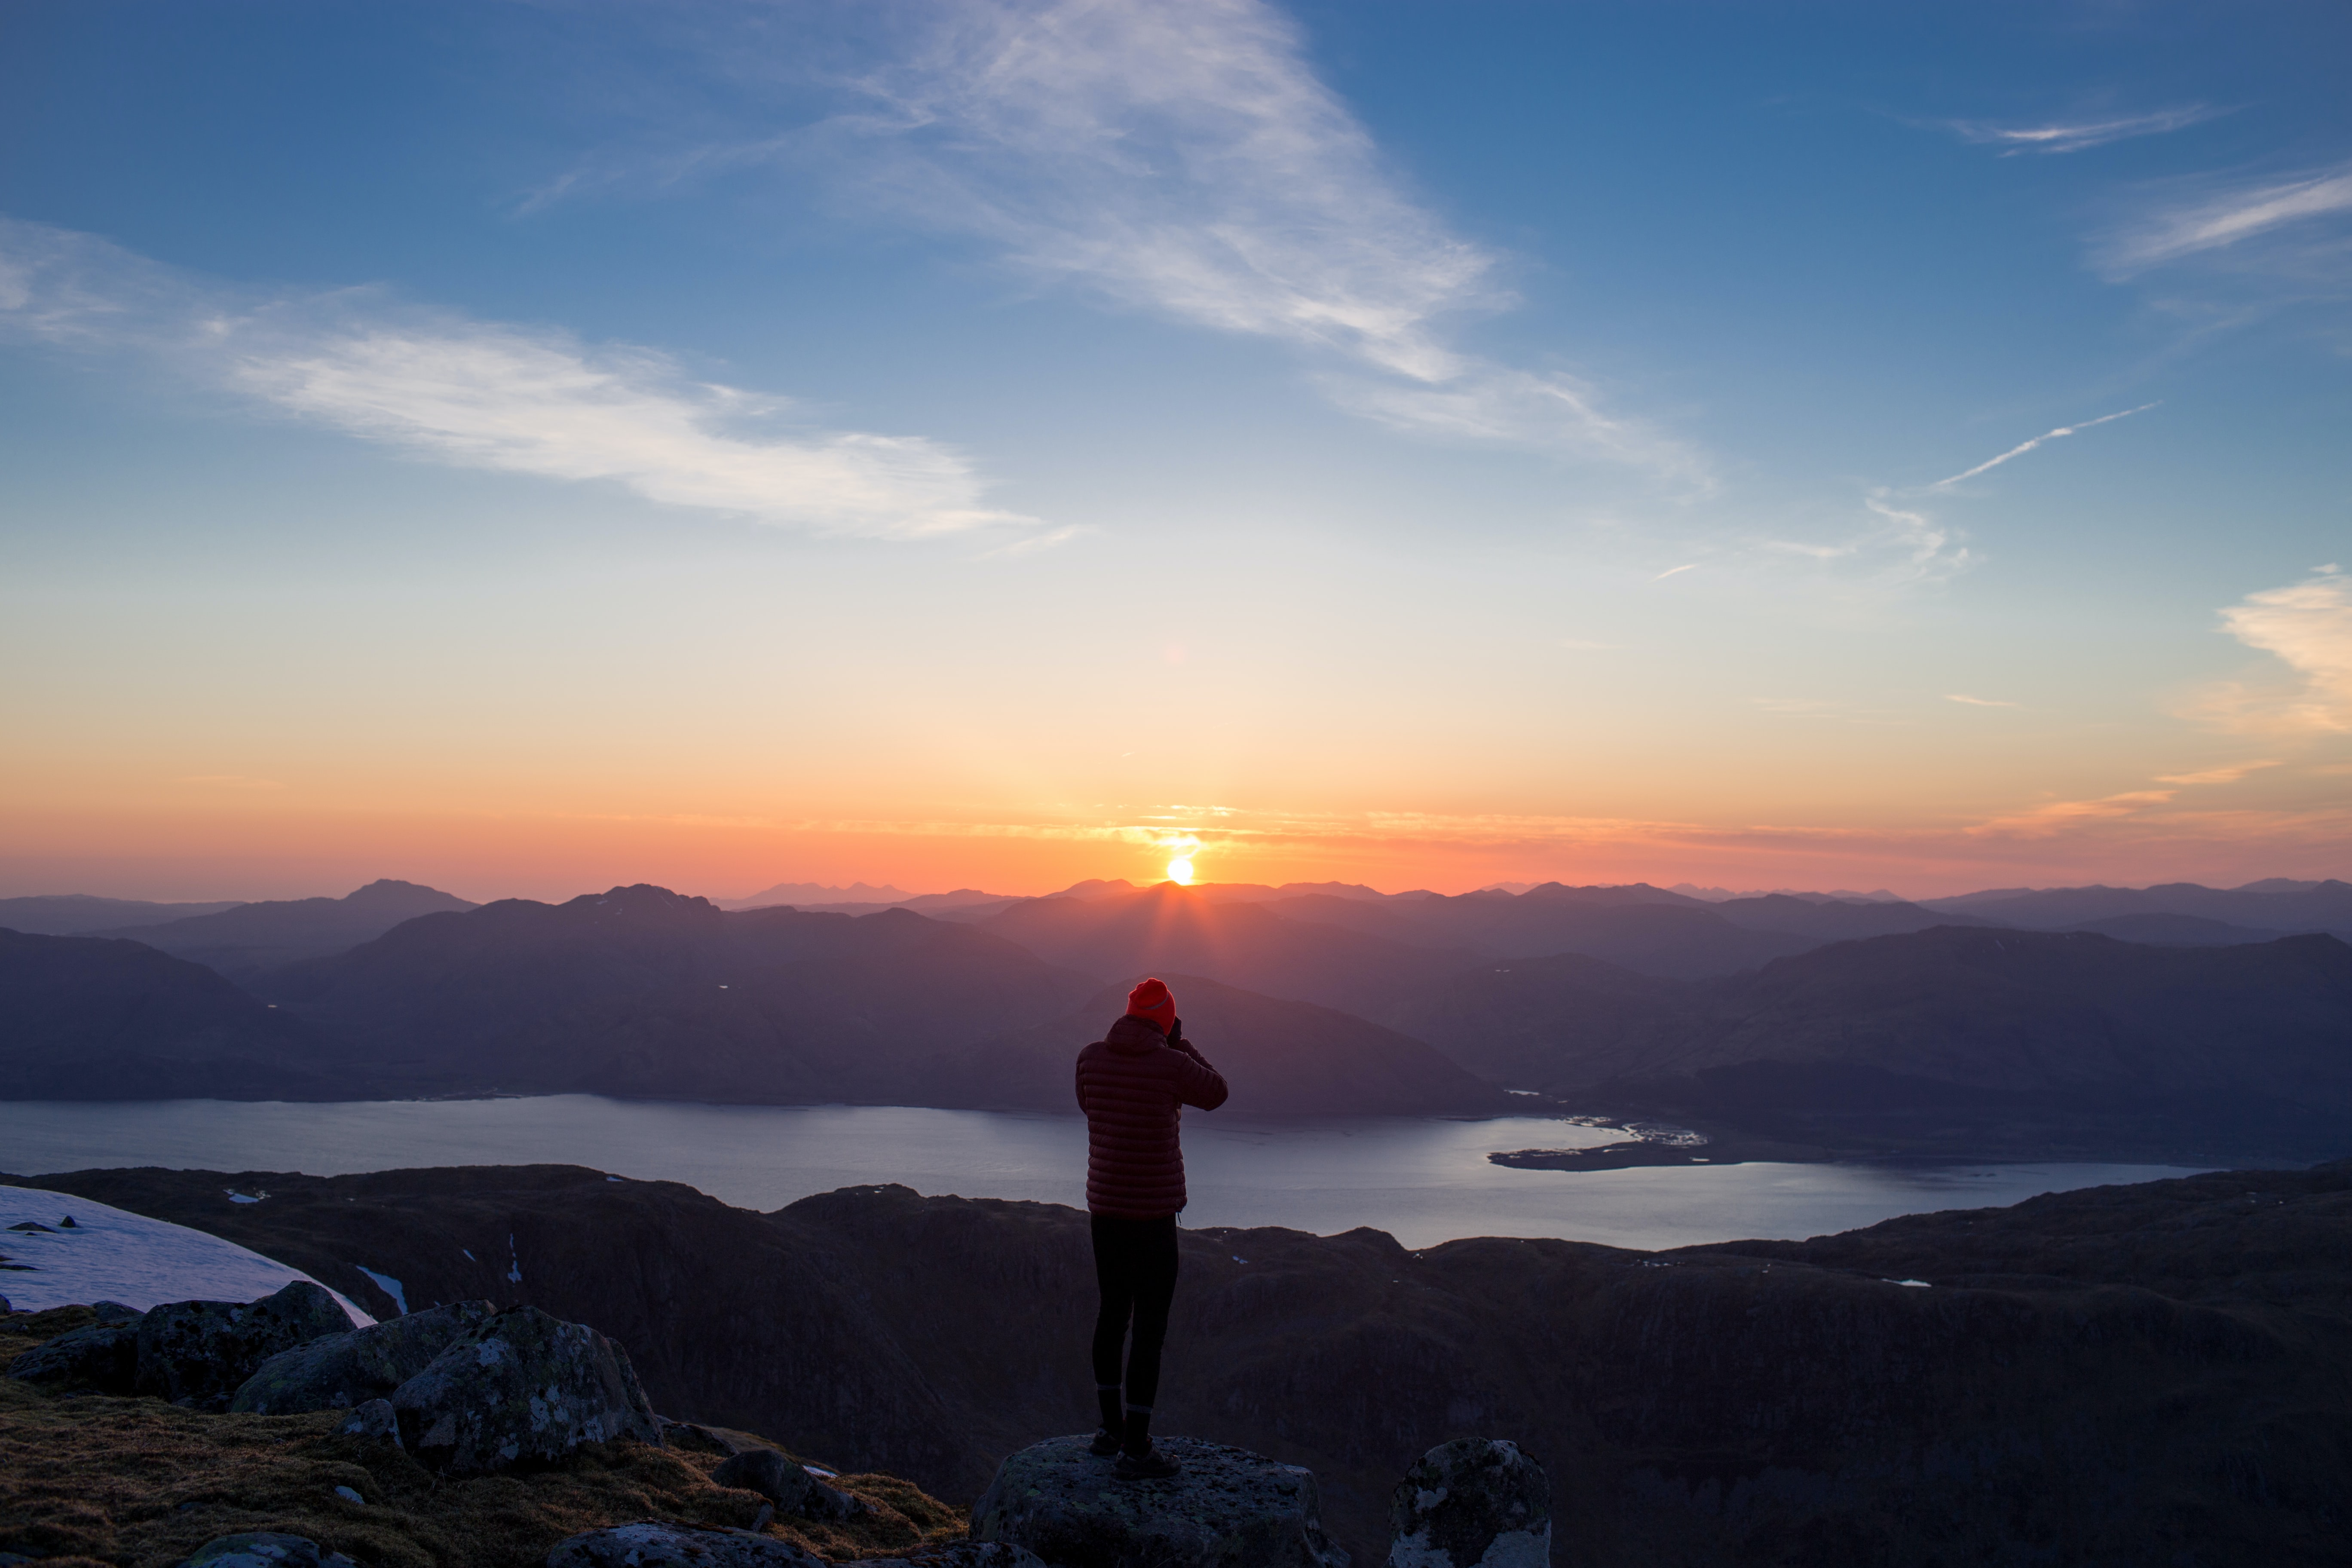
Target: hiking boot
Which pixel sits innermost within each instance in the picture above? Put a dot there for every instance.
(1148, 1466)
(1105, 1443)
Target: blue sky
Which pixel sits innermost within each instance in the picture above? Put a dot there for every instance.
(528, 445)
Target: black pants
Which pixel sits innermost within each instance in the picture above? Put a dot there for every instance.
(1135, 1266)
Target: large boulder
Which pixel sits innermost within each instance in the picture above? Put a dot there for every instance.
(520, 1387)
(342, 1372)
(1475, 1502)
(651, 1545)
(264, 1549)
(1228, 1508)
(103, 1355)
(197, 1353)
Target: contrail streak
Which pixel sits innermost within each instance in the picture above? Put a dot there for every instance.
(2019, 450)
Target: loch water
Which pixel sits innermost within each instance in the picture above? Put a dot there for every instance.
(1422, 1180)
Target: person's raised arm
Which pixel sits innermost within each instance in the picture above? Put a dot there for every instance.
(1197, 1083)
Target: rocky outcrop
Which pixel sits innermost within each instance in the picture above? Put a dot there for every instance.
(1228, 1508)
(338, 1371)
(103, 1356)
(652, 1545)
(196, 1353)
(264, 1549)
(1474, 1502)
(522, 1387)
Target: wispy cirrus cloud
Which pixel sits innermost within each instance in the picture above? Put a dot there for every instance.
(483, 394)
(2230, 773)
(2308, 626)
(2048, 435)
(1908, 546)
(2260, 222)
(2073, 136)
(1187, 161)
(2058, 816)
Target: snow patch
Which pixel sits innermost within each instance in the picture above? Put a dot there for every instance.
(388, 1285)
(238, 1197)
(514, 1263)
(1917, 1284)
(112, 1255)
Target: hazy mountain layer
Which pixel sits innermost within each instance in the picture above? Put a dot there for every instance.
(646, 993)
(250, 938)
(1669, 935)
(1249, 945)
(2145, 1375)
(2291, 907)
(80, 914)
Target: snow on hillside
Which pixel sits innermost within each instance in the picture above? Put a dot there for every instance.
(108, 1254)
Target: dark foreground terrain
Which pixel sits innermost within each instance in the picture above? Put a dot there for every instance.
(2158, 1373)
(90, 1480)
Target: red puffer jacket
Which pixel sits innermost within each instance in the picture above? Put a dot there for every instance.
(1132, 1085)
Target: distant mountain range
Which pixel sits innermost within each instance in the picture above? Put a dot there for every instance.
(248, 939)
(77, 914)
(1846, 1025)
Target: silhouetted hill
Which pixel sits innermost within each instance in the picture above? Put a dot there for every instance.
(2282, 907)
(1280, 1058)
(1640, 928)
(1168, 927)
(1954, 1040)
(2039, 1011)
(82, 914)
(644, 993)
(2144, 1374)
(2177, 930)
(100, 1018)
(1559, 1024)
(1834, 920)
(241, 942)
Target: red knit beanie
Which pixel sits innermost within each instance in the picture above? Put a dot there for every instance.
(1150, 1000)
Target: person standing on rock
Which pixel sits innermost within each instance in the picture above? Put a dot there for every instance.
(1133, 1084)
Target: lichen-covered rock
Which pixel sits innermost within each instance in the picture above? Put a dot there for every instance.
(103, 1356)
(522, 1387)
(1228, 1508)
(1475, 1502)
(958, 1554)
(678, 1546)
(264, 1549)
(197, 1353)
(339, 1372)
(373, 1419)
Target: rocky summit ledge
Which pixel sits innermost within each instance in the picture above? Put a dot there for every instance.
(1228, 1508)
